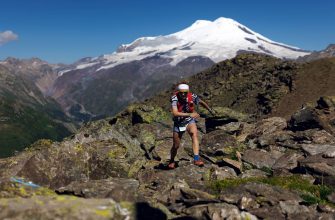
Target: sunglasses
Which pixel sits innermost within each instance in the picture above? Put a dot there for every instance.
(183, 93)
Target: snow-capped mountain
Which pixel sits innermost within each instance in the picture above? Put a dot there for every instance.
(218, 40)
(103, 85)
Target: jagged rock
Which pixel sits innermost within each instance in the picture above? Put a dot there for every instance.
(304, 119)
(288, 161)
(246, 203)
(64, 207)
(321, 168)
(270, 194)
(236, 165)
(268, 131)
(268, 212)
(160, 179)
(293, 208)
(247, 129)
(331, 198)
(119, 189)
(270, 126)
(222, 173)
(272, 139)
(224, 116)
(231, 128)
(261, 200)
(327, 208)
(148, 114)
(216, 141)
(312, 136)
(330, 153)
(218, 211)
(260, 159)
(314, 149)
(254, 173)
(326, 102)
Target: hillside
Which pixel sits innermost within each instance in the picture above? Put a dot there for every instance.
(26, 115)
(260, 85)
(256, 166)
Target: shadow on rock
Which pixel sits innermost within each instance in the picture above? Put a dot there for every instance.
(164, 166)
(145, 212)
(185, 218)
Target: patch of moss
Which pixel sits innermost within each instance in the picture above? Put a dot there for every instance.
(135, 168)
(40, 144)
(78, 148)
(149, 114)
(103, 213)
(311, 194)
(17, 190)
(117, 152)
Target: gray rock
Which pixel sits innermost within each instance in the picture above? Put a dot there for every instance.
(219, 211)
(119, 189)
(288, 161)
(314, 149)
(331, 197)
(231, 128)
(254, 173)
(216, 140)
(64, 207)
(268, 212)
(247, 203)
(292, 207)
(270, 125)
(260, 158)
(319, 165)
(306, 118)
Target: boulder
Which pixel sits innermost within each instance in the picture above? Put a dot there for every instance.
(119, 189)
(306, 118)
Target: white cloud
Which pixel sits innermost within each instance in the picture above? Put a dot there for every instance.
(7, 36)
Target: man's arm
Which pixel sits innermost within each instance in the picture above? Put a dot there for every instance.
(205, 105)
(176, 113)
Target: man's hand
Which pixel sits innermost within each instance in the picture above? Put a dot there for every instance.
(195, 115)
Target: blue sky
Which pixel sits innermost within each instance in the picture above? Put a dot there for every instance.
(67, 30)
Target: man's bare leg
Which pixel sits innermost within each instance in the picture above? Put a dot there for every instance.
(193, 132)
(176, 144)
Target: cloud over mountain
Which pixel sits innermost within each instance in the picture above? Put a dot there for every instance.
(7, 36)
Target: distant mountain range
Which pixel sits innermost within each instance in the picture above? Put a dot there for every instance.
(26, 115)
(100, 86)
(328, 52)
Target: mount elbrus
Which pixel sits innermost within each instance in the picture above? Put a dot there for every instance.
(102, 86)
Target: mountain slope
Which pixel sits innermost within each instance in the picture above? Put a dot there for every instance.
(261, 85)
(326, 53)
(26, 115)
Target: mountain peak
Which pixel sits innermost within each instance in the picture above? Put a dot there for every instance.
(217, 40)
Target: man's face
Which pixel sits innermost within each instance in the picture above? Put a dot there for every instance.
(183, 95)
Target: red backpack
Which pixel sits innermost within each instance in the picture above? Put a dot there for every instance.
(189, 100)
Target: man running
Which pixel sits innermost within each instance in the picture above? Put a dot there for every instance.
(184, 117)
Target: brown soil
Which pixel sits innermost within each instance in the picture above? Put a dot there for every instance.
(313, 80)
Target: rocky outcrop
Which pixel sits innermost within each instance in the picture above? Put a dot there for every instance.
(116, 168)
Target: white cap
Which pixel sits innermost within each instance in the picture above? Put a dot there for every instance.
(183, 87)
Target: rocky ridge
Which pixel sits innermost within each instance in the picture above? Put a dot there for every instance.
(257, 165)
